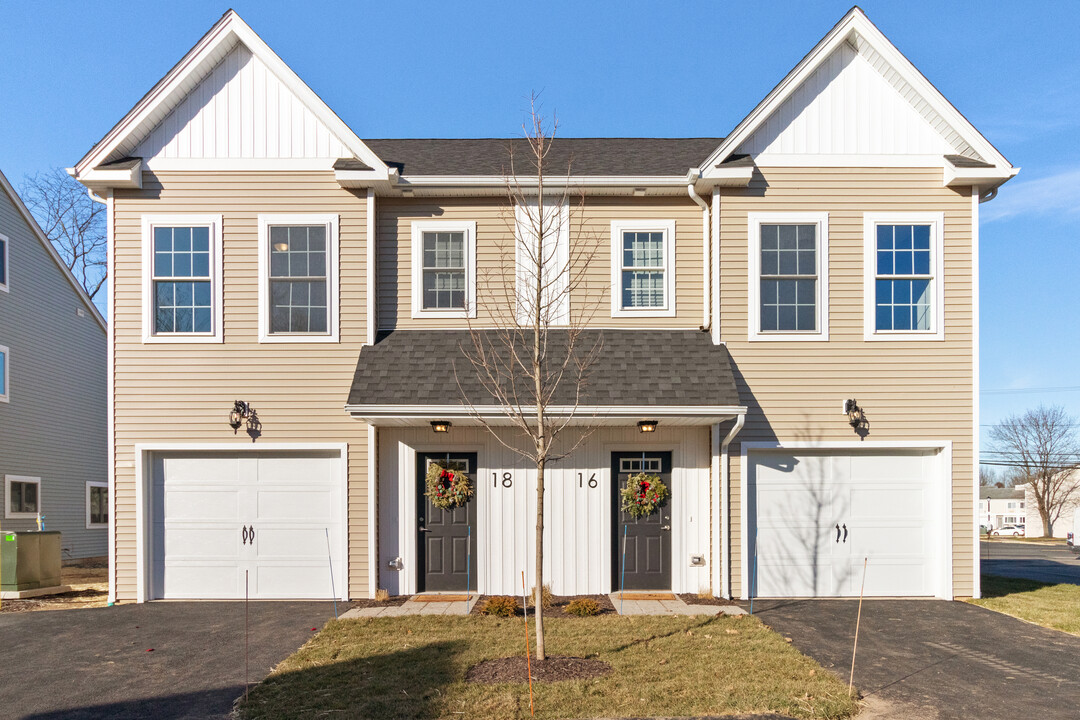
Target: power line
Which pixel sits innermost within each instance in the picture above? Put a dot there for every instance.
(1007, 391)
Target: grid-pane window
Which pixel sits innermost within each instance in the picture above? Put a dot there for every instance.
(444, 270)
(23, 497)
(789, 278)
(298, 279)
(643, 258)
(98, 511)
(181, 280)
(904, 277)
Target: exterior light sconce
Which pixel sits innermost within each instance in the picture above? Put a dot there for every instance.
(647, 426)
(856, 416)
(241, 411)
(440, 426)
(281, 247)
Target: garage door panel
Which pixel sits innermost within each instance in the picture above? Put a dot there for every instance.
(202, 471)
(298, 505)
(188, 543)
(203, 581)
(286, 542)
(283, 581)
(202, 504)
(295, 470)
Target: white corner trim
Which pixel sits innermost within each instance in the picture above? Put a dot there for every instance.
(8, 479)
(371, 291)
(5, 262)
(110, 394)
(976, 440)
(5, 388)
(333, 285)
(96, 484)
(149, 222)
(936, 220)
(618, 227)
(715, 240)
(419, 227)
(754, 222)
(373, 510)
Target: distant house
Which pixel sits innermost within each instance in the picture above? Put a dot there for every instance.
(53, 439)
(1064, 522)
(1001, 506)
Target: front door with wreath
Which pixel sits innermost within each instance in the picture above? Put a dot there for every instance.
(446, 521)
(642, 513)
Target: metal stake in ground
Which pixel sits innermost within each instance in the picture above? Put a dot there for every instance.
(858, 619)
(468, 569)
(245, 635)
(330, 562)
(753, 583)
(528, 660)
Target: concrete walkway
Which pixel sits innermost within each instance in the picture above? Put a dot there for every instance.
(416, 605)
(673, 606)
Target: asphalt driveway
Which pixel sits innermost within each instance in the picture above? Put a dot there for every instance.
(934, 659)
(165, 660)
(1045, 563)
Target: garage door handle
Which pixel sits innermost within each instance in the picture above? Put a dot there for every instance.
(838, 532)
(244, 535)
(845, 532)
(251, 534)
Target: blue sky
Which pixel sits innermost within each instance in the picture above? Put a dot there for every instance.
(70, 70)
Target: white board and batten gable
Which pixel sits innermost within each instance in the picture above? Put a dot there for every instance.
(230, 104)
(856, 101)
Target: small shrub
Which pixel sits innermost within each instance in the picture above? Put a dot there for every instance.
(583, 607)
(547, 600)
(704, 592)
(500, 606)
(382, 595)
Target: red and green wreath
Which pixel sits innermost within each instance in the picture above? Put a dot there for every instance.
(447, 488)
(643, 495)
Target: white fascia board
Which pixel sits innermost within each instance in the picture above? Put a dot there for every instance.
(553, 181)
(227, 31)
(583, 411)
(854, 23)
(986, 178)
(99, 179)
(726, 177)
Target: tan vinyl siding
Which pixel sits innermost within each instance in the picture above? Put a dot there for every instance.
(495, 256)
(919, 390)
(167, 393)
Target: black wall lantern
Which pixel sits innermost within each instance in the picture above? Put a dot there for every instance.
(241, 411)
(856, 416)
(647, 426)
(440, 426)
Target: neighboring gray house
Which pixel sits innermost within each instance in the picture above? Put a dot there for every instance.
(53, 438)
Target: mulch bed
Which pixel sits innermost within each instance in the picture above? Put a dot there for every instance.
(392, 601)
(554, 669)
(693, 599)
(558, 607)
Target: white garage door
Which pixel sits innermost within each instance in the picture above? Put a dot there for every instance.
(814, 518)
(221, 516)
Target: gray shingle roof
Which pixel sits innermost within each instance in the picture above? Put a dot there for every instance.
(996, 493)
(586, 156)
(635, 367)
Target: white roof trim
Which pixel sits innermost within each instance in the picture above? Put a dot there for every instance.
(229, 30)
(855, 24)
(583, 411)
(36, 229)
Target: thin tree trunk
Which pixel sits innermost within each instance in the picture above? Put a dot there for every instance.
(1048, 525)
(538, 601)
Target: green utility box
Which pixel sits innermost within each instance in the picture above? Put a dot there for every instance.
(29, 560)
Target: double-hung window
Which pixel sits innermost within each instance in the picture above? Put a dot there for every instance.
(97, 504)
(298, 278)
(789, 276)
(443, 269)
(182, 278)
(22, 496)
(643, 269)
(4, 263)
(5, 374)
(903, 283)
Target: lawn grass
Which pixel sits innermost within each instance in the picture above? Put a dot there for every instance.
(414, 667)
(1046, 604)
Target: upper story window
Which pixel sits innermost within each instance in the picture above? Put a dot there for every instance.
(904, 281)
(22, 496)
(182, 278)
(3, 263)
(443, 269)
(643, 269)
(788, 265)
(5, 374)
(298, 278)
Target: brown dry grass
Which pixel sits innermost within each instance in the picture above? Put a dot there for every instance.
(89, 588)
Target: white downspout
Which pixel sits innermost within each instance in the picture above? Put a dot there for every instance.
(725, 494)
(706, 235)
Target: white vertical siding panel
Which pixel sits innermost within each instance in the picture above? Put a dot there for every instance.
(272, 115)
(297, 112)
(258, 110)
(234, 121)
(247, 106)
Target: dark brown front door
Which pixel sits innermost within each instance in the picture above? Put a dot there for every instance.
(447, 542)
(646, 562)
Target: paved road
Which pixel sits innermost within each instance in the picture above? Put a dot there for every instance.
(937, 660)
(1046, 563)
(96, 663)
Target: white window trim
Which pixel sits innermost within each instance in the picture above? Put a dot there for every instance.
(333, 287)
(90, 484)
(149, 222)
(5, 251)
(8, 479)
(936, 220)
(419, 227)
(618, 227)
(753, 230)
(5, 395)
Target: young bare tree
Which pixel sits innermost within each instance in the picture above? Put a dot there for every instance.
(1042, 446)
(529, 349)
(73, 222)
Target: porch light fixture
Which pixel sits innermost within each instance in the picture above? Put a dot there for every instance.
(281, 246)
(856, 416)
(647, 426)
(241, 411)
(440, 426)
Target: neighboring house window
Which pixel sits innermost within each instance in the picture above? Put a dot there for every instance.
(3, 263)
(789, 276)
(97, 504)
(643, 269)
(5, 374)
(22, 496)
(904, 279)
(444, 269)
(1012, 505)
(182, 278)
(1021, 506)
(298, 278)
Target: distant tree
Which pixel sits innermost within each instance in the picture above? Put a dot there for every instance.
(1042, 446)
(73, 222)
(989, 477)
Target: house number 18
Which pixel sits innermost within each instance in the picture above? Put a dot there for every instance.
(507, 479)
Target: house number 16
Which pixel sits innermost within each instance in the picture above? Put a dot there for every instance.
(581, 480)
(507, 479)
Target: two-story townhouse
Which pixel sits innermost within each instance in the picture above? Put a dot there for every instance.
(789, 318)
(1000, 506)
(53, 453)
